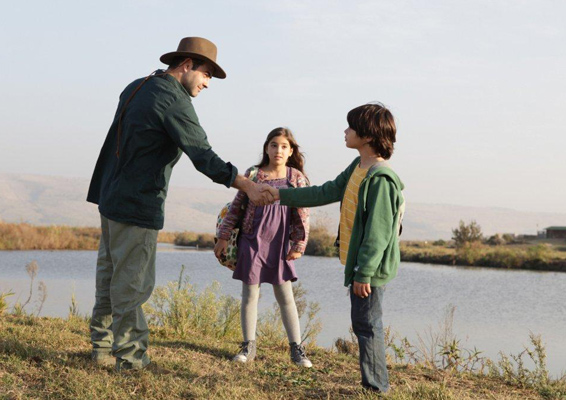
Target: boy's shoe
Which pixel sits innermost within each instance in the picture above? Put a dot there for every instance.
(299, 355)
(247, 352)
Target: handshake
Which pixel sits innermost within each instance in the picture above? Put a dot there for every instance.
(262, 194)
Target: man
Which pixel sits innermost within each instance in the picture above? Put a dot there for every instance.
(154, 124)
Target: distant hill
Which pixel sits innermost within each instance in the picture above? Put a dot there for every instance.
(48, 200)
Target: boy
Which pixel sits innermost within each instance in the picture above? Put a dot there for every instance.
(372, 207)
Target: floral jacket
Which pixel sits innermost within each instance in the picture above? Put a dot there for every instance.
(299, 231)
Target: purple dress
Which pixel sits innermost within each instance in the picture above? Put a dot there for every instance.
(262, 253)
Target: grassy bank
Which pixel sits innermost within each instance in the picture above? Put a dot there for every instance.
(536, 254)
(49, 358)
(194, 335)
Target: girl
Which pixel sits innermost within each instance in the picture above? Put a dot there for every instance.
(271, 238)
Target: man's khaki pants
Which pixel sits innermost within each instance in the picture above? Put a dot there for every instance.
(125, 277)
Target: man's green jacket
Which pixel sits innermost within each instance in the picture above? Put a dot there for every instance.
(158, 125)
(373, 255)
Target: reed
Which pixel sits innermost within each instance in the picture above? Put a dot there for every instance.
(23, 236)
(55, 237)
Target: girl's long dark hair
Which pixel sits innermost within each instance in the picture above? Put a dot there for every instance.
(296, 160)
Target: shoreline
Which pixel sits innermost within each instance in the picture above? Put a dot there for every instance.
(534, 255)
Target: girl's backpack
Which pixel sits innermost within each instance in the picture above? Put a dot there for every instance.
(229, 259)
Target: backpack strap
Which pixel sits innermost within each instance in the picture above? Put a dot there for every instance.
(253, 174)
(252, 177)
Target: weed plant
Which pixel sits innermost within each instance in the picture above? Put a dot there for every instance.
(179, 307)
(3, 303)
(441, 350)
(513, 370)
(18, 308)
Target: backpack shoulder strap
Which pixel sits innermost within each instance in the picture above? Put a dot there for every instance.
(253, 174)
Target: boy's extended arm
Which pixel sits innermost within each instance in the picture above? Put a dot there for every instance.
(329, 192)
(378, 228)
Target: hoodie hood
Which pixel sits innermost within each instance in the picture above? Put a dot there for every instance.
(382, 168)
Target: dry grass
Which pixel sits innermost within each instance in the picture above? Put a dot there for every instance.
(49, 358)
(56, 237)
(30, 237)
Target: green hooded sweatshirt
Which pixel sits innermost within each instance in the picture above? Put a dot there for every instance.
(373, 255)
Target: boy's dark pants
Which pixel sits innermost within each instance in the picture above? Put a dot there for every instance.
(368, 327)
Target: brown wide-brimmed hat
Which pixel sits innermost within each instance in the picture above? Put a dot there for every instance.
(199, 48)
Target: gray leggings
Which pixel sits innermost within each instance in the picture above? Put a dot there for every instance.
(284, 295)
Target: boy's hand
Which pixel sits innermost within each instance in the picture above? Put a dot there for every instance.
(293, 255)
(220, 247)
(362, 290)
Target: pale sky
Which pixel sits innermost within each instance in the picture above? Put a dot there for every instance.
(478, 88)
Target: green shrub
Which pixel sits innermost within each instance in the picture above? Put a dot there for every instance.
(469, 253)
(178, 306)
(185, 239)
(321, 242)
(495, 240)
(202, 240)
(538, 254)
(504, 258)
(205, 240)
(466, 234)
(509, 238)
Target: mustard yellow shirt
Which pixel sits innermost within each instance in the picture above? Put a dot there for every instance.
(348, 210)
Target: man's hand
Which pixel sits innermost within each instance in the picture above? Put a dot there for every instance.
(293, 255)
(220, 247)
(362, 290)
(274, 192)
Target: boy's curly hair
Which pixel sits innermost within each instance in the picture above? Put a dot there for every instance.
(374, 121)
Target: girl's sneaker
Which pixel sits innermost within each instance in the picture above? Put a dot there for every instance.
(247, 352)
(299, 355)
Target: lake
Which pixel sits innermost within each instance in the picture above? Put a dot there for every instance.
(495, 309)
